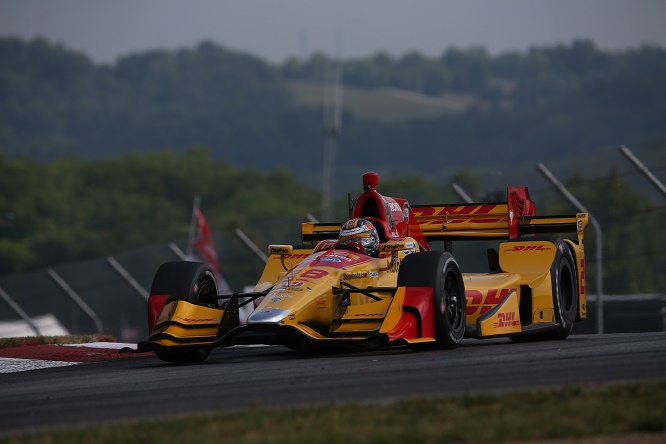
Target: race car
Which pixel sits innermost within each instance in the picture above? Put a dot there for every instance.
(376, 281)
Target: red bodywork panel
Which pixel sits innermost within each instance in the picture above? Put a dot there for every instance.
(393, 217)
(418, 317)
(520, 205)
(155, 304)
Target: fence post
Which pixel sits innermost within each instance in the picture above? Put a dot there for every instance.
(76, 298)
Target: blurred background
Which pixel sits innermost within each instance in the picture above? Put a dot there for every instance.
(114, 116)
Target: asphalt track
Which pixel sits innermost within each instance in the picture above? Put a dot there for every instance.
(246, 377)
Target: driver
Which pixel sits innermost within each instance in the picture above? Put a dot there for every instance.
(359, 235)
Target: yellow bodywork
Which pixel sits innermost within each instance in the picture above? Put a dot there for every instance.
(182, 321)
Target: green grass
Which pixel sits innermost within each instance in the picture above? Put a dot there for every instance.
(618, 410)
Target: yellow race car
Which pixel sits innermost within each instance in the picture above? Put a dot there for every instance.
(374, 282)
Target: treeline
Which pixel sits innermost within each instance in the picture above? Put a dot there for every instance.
(74, 209)
(546, 103)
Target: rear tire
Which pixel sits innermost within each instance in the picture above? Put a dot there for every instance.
(193, 282)
(440, 271)
(565, 290)
(564, 285)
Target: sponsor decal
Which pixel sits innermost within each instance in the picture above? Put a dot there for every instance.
(582, 276)
(354, 275)
(394, 207)
(285, 289)
(296, 256)
(368, 315)
(198, 319)
(506, 320)
(374, 274)
(279, 250)
(276, 299)
(456, 214)
(395, 247)
(293, 284)
(330, 259)
(479, 303)
(529, 248)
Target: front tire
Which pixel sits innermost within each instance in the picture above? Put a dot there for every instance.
(193, 282)
(440, 271)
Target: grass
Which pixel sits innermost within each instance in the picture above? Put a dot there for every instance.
(626, 410)
(68, 339)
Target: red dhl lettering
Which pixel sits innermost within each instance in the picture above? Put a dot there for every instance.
(529, 248)
(479, 303)
(368, 315)
(582, 276)
(506, 320)
(198, 319)
(453, 214)
(296, 256)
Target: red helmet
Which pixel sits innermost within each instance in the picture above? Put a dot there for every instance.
(359, 235)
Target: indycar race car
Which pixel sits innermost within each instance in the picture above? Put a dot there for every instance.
(344, 290)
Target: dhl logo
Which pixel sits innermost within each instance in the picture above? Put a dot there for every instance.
(479, 303)
(460, 214)
(529, 248)
(582, 277)
(506, 320)
(198, 319)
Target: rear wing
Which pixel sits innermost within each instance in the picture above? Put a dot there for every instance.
(448, 222)
(504, 220)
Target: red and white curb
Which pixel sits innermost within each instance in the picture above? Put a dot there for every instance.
(32, 357)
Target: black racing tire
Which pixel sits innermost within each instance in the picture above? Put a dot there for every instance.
(440, 271)
(185, 281)
(183, 356)
(564, 280)
(564, 288)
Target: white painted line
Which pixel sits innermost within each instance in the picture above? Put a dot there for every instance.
(12, 365)
(112, 345)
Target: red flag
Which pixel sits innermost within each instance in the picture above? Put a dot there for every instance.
(204, 242)
(205, 247)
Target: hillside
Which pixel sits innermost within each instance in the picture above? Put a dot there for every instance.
(388, 105)
(408, 115)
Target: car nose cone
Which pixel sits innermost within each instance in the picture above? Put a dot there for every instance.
(267, 315)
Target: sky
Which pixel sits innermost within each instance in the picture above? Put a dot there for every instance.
(278, 29)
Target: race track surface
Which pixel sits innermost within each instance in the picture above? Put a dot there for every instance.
(241, 377)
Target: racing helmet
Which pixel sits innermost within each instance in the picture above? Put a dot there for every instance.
(359, 235)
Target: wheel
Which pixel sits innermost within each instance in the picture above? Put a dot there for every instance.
(193, 282)
(183, 356)
(564, 284)
(440, 271)
(565, 290)
(186, 281)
